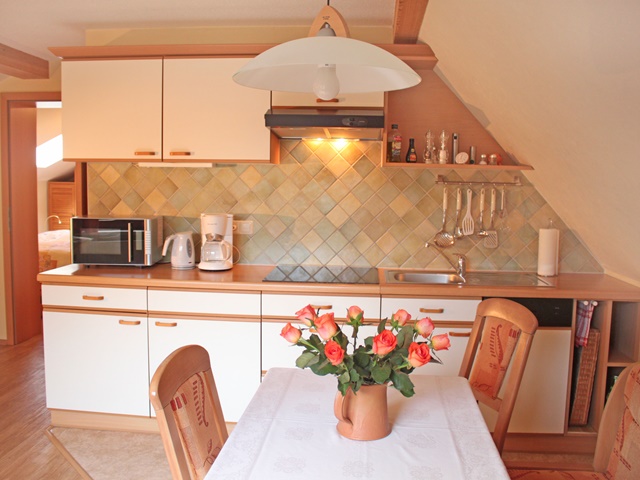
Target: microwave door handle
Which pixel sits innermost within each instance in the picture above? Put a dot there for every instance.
(129, 239)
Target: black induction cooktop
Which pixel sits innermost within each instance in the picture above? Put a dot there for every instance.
(322, 274)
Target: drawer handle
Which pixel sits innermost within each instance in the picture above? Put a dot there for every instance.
(459, 334)
(166, 324)
(322, 307)
(144, 152)
(129, 322)
(432, 310)
(180, 154)
(93, 297)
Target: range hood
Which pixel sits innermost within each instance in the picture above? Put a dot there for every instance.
(325, 123)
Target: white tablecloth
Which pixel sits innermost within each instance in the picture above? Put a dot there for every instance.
(288, 431)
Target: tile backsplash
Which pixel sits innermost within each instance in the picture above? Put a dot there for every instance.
(332, 204)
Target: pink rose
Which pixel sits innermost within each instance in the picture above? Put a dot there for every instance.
(440, 342)
(326, 326)
(334, 352)
(419, 354)
(307, 315)
(290, 333)
(355, 313)
(384, 342)
(424, 327)
(401, 316)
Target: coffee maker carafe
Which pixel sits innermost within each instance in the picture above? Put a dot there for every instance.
(217, 241)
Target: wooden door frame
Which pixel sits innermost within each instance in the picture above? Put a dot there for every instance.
(6, 100)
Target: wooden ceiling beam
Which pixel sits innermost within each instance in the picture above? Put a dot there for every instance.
(408, 20)
(22, 65)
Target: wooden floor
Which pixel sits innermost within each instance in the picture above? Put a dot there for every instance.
(25, 452)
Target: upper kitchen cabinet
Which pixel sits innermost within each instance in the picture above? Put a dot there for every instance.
(360, 100)
(112, 109)
(172, 110)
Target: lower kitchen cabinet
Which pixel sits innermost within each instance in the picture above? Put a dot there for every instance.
(96, 362)
(234, 348)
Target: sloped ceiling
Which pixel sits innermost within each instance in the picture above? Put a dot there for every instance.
(558, 85)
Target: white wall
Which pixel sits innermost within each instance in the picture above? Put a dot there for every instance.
(558, 85)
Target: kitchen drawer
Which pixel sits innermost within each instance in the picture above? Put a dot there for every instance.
(284, 307)
(99, 298)
(436, 308)
(204, 302)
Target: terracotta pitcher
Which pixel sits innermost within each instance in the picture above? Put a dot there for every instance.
(363, 415)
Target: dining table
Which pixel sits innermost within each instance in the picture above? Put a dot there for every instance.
(288, 431)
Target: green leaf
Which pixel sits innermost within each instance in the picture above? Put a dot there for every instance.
(342, 339)
(316, 341)
(343, 387)
(381, 373)
(405, 336)
(345, 377)
(361, 358)
(382, 325)
(403, 383)
(305, 359)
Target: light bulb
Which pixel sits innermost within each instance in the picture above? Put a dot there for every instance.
(326, 85)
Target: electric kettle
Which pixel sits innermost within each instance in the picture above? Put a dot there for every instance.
(182, 253)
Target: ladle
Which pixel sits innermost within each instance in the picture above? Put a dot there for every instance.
(444, 239)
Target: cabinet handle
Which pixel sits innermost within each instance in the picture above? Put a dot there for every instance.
(93, 297)
(129, 322)
(459, 334)
(166, 324)
(181, 154)
(322, 307)
(333, 100)
(143, 152)
(432, 310)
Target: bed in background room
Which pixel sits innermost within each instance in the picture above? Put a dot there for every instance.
(54, 248)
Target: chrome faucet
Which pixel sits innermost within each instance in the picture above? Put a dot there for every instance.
(460, 266)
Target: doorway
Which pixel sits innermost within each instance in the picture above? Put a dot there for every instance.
(23, 308)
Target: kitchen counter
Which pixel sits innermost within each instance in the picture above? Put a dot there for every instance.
(250, 278)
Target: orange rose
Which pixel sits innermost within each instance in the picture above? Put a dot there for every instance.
(401, 316)
(440, 342)
(419, 354)
(290, 333)
(355, 314)
(326, 326)
(334, 352)
(307, 315)
(384, 342)
(424, 327)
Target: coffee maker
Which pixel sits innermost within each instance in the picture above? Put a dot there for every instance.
(217, 241)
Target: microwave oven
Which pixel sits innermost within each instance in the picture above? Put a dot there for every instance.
(116, 241)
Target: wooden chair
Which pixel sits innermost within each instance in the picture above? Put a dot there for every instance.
(500, 339)
(617, 454)
(183, 394)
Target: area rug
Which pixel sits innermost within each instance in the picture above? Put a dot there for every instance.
(108, 455)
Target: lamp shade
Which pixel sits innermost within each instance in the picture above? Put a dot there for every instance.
(294, 66)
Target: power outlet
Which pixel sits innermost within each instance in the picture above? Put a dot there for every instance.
(243, 227)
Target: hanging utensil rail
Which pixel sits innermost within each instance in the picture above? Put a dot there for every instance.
(443, 181)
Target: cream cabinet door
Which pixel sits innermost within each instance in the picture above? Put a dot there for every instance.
(96, 362)
(207, 116)
(234, 349)
(112, 109)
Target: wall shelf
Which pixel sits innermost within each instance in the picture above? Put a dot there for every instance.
(453, 166)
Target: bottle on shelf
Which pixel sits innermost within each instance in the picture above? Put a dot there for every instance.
(412, 156)
(443, 153)
(394, 144)
(454, 146)
(429, 147)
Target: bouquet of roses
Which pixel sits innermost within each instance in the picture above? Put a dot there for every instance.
(389, 356)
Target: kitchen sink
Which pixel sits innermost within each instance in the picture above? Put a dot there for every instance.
(494, 279)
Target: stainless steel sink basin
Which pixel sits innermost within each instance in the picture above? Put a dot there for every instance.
(494, 279)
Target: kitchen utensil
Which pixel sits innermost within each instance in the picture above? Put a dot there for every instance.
(443, 238)
(504, 220)
(491, 239)
(467, 221)
(482, 232)
(182, 253)
(457, 231)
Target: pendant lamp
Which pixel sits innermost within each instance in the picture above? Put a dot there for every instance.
(326, 63)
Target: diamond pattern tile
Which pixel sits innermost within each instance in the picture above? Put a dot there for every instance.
(332, 204)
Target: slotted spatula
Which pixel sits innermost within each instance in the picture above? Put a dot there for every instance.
(467, 221)
(491, 240)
